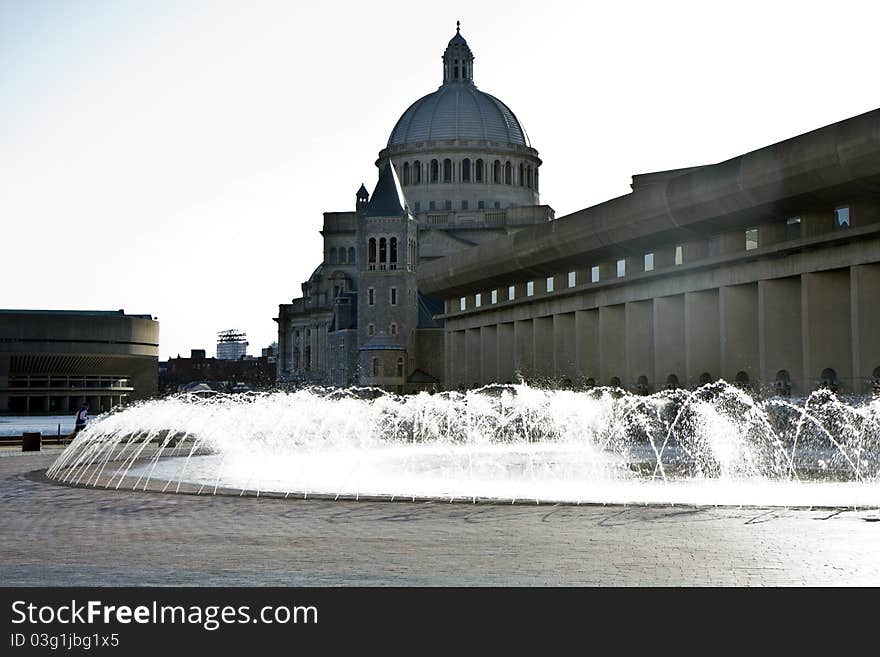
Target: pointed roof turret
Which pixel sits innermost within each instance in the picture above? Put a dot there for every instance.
(387, 199)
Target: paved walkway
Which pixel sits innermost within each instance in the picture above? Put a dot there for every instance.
(57, 535)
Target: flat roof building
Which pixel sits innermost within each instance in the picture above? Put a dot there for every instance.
(52, 361)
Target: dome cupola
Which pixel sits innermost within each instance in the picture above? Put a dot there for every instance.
(458, 60)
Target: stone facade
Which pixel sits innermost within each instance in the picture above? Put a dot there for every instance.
(463, 173)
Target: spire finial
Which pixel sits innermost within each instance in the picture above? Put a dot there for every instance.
(457, 26)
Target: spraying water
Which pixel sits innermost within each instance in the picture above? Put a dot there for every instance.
(714, 445)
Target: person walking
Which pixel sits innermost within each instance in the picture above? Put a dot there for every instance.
(82, 419)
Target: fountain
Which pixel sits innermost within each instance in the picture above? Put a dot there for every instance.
(717, 445)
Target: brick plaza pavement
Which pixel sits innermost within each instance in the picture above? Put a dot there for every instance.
(58, 535)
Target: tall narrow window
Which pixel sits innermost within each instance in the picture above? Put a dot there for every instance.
(793, 228)
(679, 254)
(478, 171)
(371, 253)
(529, 176)
(406, 173)
(572, 279)
(478, 300)
(393, 257)
(333, 257)
(522, 175)
(462, 304)
(383, 252)
(375, 367)
(371, 296)
(342, 257)
(435, 171)
(464, 205)
(508, 174)
(649, 262)
(466, 170)
(621, 268)
(751, 239)
(594, 274)
(392, 329)
(371, 329)
(714, 245)
(494, 296)
(511, 292)
(417, 172)
(530, 289)
(393, 292)
(496, 172)
(841, 217)
(400, 366)
(549, 284)
(351, 255)
(447, 170)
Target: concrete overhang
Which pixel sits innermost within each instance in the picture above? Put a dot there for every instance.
(841, 160)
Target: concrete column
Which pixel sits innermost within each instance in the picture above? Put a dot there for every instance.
(586, 327)
(524, 352)
(780, 343)
(826, 328)
(669, 339)
(639, 344)
(473, 357)
(542, 330)
(489, 354)
(506, 353)
(738, 314)
(612, 343)
(459, 360)
(701, 336)
(865, 320)
(564, 348)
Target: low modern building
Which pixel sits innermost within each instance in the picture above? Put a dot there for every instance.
(52, 361)
(762, 270)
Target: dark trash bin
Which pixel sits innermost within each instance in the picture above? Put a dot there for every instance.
(30, 442)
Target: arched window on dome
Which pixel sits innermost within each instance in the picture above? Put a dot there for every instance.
(522, 174)
(455, 70)
(496, 172)
(529, 176)
(508, 174)
(371, 253)
(406, 173)
(478, 171)
(447, 170)
(435, 171)
(417, 173)
(351, 255)
(466, 170)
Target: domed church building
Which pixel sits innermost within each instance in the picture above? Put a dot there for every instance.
(458, 171)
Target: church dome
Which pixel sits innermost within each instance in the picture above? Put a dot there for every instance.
(458, 110)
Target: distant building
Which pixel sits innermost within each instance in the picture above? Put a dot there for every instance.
(52, 361)
(231, 344)
(196, 372)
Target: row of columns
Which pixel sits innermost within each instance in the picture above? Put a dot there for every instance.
(803, 325)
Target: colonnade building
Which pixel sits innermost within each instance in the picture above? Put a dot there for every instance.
(762, 270)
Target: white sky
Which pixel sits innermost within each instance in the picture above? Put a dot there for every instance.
(174, 158)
